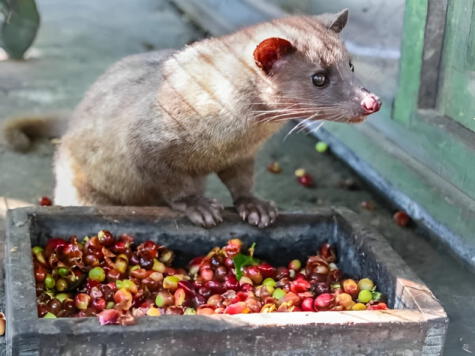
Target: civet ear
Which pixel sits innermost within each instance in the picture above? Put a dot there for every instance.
(334, 22)
(270, 51)
(337, 22)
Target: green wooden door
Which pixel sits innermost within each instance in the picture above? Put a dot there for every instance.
(457, 95)
(442, 138)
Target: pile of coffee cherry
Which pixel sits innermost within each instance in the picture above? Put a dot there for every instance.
(117, 280)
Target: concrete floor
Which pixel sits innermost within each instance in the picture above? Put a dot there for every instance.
(77, 42)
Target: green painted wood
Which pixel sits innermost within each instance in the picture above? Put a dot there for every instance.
(411, 59)
(458, 89)
(471, 43)
(444, 147)
(435, 141)
(427, 197)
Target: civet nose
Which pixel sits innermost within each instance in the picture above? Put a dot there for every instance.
(370, 103)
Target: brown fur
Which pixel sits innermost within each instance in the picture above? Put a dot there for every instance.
(155, 125)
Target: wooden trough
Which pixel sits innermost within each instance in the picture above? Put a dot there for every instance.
(416, 325)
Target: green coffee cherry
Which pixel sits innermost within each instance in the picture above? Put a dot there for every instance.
(97, 274)
(63, 271)
(365, 284)
(190, 311)
(49, 281)
(279, 293)
(49, 315)
(269, 282)
(61, 285)
(321, 147)
(62, 297)
(365, 296)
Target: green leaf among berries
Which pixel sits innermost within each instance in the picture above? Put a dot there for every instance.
(241, 261)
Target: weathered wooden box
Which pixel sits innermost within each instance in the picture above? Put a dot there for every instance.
(417, 325)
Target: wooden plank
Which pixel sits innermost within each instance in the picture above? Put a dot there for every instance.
(221, 17)
(266, 8)
(14, 203)
(411, 60)
(432, 56)
(456, 95)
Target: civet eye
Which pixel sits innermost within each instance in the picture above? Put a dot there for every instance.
(352, 67)
(319, 79)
